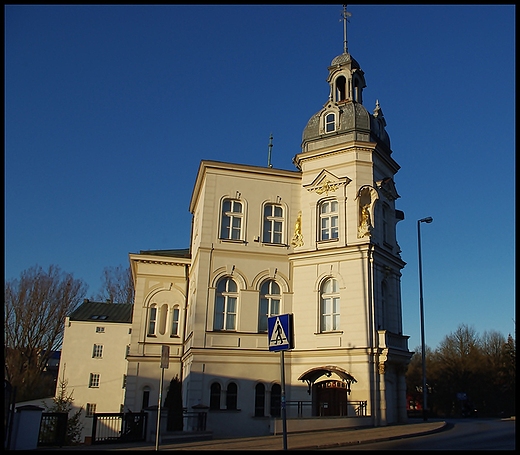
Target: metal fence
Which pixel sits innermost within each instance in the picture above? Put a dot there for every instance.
(304, 409)
(118, 427)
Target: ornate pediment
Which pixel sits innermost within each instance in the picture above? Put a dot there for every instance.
(387, 187)
(326, 182)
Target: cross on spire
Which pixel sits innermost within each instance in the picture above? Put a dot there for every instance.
(344, 17)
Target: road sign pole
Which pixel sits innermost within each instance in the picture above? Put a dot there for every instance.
(157, 432)
(284, 413)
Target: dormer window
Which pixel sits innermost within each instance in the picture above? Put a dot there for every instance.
(330, 122)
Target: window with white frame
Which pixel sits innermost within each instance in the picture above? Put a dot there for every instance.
(269, 303)
(330, 122)
(329, 220)
(97, 351)
(273, 224)
(226, 305)
(329, 306)
(175, 321)
(94, 380)
(232, 216)
(90, 409)
(152, 319)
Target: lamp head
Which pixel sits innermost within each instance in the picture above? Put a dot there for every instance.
(428, 219)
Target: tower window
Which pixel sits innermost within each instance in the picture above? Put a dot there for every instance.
(226, 305)
(329, 220)
(330, 122)
(231, 226)
(329, 306)
(269, 303)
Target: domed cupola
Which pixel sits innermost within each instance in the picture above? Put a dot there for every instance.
(344, 111)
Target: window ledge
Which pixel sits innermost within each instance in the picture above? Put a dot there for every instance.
(330, 332)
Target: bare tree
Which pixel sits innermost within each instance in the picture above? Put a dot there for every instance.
(35, 306)
(118, 285)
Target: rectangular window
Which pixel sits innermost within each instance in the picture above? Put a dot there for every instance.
(100, 330)
(90, 409)
(94, 380)
(97, 352)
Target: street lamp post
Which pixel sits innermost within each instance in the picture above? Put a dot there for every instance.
(428, 219)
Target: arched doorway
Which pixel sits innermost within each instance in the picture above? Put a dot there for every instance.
(329, 396)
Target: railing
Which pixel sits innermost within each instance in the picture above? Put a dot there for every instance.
(117, 427)
(298, 408)
(304, 408)
(360, 407)
(194, 421)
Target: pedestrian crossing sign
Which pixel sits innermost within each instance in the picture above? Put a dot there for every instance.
(280, 332)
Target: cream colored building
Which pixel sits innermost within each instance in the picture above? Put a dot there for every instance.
(93, 358)
(318, 242)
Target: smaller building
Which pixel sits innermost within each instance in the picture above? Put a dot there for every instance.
(93, 358)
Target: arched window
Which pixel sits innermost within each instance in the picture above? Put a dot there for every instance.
(259, 400)
(214, 397)
(152, 319)
(330, 122)
(225, 305)
(231, 396)
(273, 224)
(329, 220)
(232, 215)
(329, 306)
(175, 321)
(269, 303)
(276, 400)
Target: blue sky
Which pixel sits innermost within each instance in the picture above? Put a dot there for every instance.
(109, 110)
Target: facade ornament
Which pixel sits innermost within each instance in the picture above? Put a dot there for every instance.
(326, 187)
(365, 224)
(382, 367)
(297, 239)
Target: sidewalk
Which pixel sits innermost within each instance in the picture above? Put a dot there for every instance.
(295, 441)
